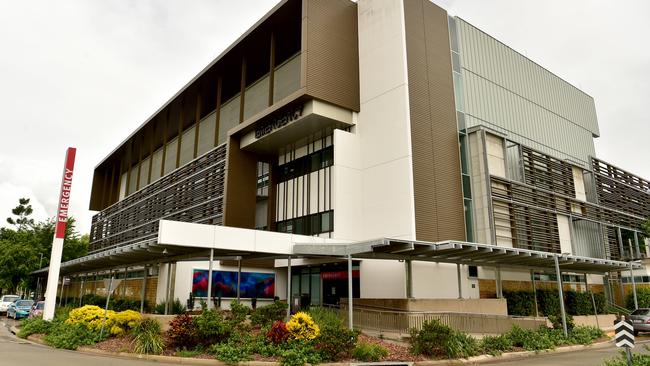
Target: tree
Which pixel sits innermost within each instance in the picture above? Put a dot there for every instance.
(23, 210)
(21, 248)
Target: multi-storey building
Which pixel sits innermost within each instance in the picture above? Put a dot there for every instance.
(336, 122)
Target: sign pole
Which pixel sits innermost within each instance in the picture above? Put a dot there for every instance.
(59, 234)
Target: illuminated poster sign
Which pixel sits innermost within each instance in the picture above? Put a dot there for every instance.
(278, 120)
(64, 194)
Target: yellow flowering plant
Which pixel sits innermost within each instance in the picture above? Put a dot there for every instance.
(302, 326)
(91, 316)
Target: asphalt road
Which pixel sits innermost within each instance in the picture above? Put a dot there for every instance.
(16, 351)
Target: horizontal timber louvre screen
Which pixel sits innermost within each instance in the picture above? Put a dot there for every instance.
(192, 193)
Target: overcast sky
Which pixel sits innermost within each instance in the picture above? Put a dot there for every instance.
(86, 73)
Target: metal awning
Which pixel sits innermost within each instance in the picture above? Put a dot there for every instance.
(459, 252)
(148, 252)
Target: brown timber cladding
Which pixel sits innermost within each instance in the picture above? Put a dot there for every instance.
(330, 51)
(192, 193)
(434, 132)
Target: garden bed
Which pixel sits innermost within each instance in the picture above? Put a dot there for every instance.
(318, 336)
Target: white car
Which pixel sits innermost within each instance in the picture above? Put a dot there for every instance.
(5, 301)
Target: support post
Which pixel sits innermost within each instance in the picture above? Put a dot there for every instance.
(238, 280)
(288, 287)
(169, 280)
(126, 272)
(532, 276)
(81, 290)
(636, 304)
(61, 292)
(409, 278)
(636, 245)
(209, 293)
(561, 294)
(172, 277)
(460, 284)
(143, 291)
(108, 299)
(350, 293)
(497, 273)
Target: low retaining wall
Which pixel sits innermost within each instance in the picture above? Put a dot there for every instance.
(474, 306)
(605, 321)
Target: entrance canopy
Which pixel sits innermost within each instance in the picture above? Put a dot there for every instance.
(458, 252)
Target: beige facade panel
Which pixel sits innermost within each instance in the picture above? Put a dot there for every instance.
(331, 51)
(434, 132)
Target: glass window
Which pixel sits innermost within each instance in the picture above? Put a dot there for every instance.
(206, 133)
(228, 118)
(187, 146)
(326, 221)
(170, 155)
(144, 172)
(455, 61)
(133, 180)
(156, 165)
(453, 34)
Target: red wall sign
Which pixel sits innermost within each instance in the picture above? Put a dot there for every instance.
(64, 196)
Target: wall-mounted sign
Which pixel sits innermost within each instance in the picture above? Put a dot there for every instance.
(224, 284)
(278, 120)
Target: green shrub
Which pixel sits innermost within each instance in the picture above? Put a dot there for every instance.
(177, 307)
(159, 308)
(238, 312)
(335, 340)
(521, 303)
(70, 336)
(231, 353)
(643, 298)
(530, 340)
(496, 345)
(438, 340)
(298, 353)
(556, 320)
(34, 326)
(147, 337)
(368, 352)
(269, 314)
(211, 327)
(584, 335)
